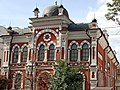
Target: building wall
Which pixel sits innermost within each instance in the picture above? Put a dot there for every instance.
(100, 67)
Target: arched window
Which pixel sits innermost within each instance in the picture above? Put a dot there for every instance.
(16, 54)
(73, 53)
(18, 78)
(85, 52)
(51, 52)
(41, 54)
(25, 53)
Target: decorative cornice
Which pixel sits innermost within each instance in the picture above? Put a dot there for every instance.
(46, 30)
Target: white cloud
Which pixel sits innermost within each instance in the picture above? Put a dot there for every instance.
(103, 1)
(105, 24)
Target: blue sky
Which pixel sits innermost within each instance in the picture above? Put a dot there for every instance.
(18, 11)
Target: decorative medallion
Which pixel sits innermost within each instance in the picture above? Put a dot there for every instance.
(47, 37)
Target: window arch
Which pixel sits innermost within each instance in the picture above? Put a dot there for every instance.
(73, 53)
(51, 52)
(41, 54)
(85, 52)
(16, 54)
(25, 53)
(18, 79)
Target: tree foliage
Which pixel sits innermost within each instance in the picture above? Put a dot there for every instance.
(3, 83)
(66, 77)
(113, 11)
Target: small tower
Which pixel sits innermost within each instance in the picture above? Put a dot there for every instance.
(55, 2)
(61, 9)
(9, 30)
(36, 12)
(94, 23)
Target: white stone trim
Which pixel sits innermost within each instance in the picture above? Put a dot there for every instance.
(45, 53)
(45, 71)
(23, 47)
(84, 42)
(18, 72)
(83, 80)
(79, 54)
(40, 75)
(41, 44)
(44, 31)
(45, 58)
(28, 55)
(44, 37)
(47, 27)
(68, 55)
(70, 45)
(13, 82)
(16, 45)
(100, 56)
(19, 53)
(73, 43)
(51, 42)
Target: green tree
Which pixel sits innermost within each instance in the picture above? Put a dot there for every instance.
(66, 77)
(113, 11)
(3, 83)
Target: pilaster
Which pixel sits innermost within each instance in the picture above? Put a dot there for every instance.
(93, 52)
(64, 43)
(45, 58)
(28, 54)
(93, 77)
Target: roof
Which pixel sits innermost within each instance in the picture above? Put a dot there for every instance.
(53, 11)
(78, 27)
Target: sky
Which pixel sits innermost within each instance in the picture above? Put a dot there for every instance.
(17, 13)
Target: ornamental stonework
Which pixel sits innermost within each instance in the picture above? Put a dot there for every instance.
(47, 37)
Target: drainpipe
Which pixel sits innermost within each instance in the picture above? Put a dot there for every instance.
(11, 32)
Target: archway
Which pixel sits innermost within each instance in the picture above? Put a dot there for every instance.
(43, 81)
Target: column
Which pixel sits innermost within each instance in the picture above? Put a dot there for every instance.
(68, 55)
(13, 84)
(11, 57)
(79, 55)
(55, 54)
(28, 55)
(22, 83)
(45, 59)
(4, 57)
(84, 84)
(34, 77)
(19, 57)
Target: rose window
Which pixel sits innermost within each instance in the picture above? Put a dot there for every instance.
(47, 37)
